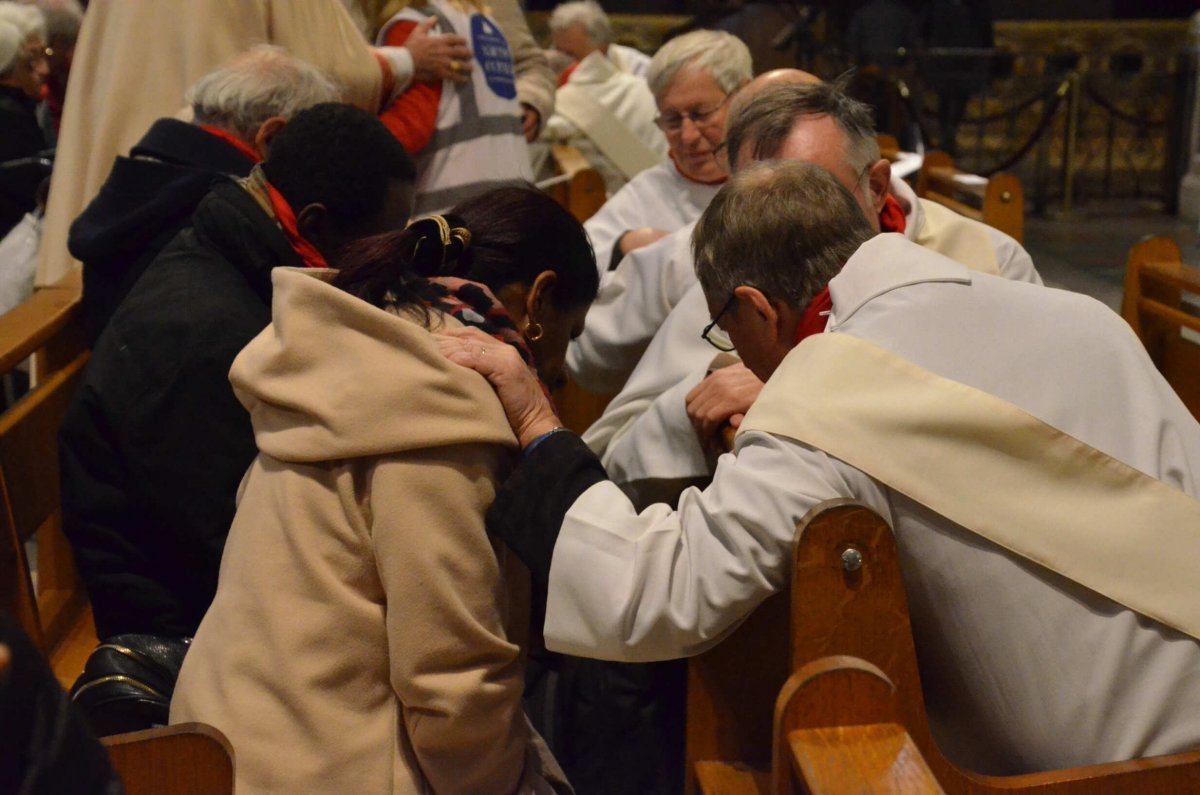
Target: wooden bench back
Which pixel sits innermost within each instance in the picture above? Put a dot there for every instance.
(850, 717)
(45, 325)
(184, 759)
(1156, 286)
(582, 191)
(999, 202)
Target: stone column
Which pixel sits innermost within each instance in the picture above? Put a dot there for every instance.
(1189, 186)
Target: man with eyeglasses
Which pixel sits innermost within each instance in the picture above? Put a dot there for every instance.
(1031, 461)
(692, 78)
(661, 433)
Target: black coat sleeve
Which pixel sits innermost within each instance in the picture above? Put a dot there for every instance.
(530, 507)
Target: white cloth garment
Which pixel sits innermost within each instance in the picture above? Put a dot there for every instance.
(659, 197)
(645, 432)
(1023, 670)
(609, 116)
(629, 60)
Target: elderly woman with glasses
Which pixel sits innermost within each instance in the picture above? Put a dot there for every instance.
(692, 78)
(22, 72)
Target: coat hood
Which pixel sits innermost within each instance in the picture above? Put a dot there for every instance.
(333, 377)
(155, 189)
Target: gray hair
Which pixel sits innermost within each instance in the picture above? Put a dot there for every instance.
(786, 228)
(721, 54)
(263, 82)
(586, 13)
(29, 20)
(765, 121)
(63, 19)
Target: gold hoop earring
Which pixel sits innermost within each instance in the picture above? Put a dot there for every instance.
(533, 331)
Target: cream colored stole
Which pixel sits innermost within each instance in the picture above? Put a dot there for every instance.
(615, 140)
(994, 469)
(951, 235)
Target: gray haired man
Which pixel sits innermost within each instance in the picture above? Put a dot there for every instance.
(151, 194)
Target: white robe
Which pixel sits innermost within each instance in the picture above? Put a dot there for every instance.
(622, 97)
(659, 197)
(1023, 670)
(629, 60)
(645, 432)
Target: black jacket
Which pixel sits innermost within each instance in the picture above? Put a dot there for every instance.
(20, 138)
(155, 443)
(147, 198)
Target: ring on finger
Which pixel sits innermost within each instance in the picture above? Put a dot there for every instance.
(455, 65)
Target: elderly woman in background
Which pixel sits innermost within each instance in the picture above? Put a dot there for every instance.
(692, 78)
(580, 27)
(357, 641)
(23, 70)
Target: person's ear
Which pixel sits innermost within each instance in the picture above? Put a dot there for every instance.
(266, 134)
(879, 180)
(540, 293)
(310, 222)
(763, 312)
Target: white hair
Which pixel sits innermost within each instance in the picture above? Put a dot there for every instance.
(29, 20)
(263, 82)
(721, 54)
(11, 43)
(586, 13)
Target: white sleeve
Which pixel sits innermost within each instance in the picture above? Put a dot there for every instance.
(401, 62)
(632, 304)
(665, 584)
(618, 215)
(661, 442)
(1012, 260)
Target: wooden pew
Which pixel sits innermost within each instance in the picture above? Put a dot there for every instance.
(55, 613)
(184, 759)
(850, 717)
(998, 202)
(1156, 284)
(581, 189)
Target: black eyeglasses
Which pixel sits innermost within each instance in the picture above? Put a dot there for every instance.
(714, 335)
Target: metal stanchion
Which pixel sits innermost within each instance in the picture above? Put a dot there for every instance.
(1071, 84)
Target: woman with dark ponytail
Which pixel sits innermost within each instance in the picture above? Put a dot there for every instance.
(357, 641)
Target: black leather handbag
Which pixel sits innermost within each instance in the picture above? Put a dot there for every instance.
(127, 682)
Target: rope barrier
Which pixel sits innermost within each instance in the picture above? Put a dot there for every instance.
(1103, 102)
(1052, 104)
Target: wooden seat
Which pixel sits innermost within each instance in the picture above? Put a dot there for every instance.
(184, 759)
(998, 202)
(848, 715)
(578, 186)
(47, 327)
(1157, 285)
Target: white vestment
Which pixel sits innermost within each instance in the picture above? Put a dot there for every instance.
(659, 197)
(644, 432)
(609, 116)
(1023, 670)
(629, 60)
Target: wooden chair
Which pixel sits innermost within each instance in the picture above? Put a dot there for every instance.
(578, 186)
(998, 202)
(184, 759)
(849, 716)
(1156, 284)
(45, 326)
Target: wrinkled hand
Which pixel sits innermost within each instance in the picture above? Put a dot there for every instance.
(640, 238)
(528, 409)
(530, 121)
(438, 56)
(724, 396)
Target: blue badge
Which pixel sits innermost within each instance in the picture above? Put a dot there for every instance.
(494, 57)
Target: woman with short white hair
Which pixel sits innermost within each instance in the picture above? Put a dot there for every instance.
(692, 78)
(23, 70)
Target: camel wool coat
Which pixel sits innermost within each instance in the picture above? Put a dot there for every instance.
(357, 639)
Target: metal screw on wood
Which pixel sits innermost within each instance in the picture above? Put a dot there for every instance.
(852, 559)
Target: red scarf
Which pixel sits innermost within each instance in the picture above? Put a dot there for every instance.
(814, 321)
(891, 217)
(236, 143)
(287, 222)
